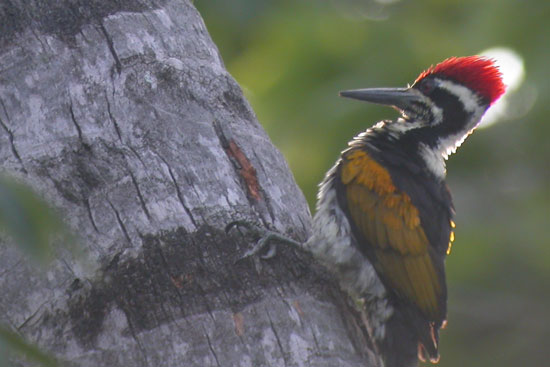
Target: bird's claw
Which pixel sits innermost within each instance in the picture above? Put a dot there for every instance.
(266, 237)
(259, 247)
(254, 228)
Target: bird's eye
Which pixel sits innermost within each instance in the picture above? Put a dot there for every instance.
(426, 86)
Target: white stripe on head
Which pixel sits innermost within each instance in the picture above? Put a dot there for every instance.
(435, 156)
(469, 99)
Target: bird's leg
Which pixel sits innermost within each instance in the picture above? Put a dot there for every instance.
(267, 237)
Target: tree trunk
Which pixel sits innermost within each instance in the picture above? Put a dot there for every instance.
(122, 115)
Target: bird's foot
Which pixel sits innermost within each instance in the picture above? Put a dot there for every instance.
(266, 237)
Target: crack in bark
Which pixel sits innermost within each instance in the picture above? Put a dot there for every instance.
(120, 223)
(272, 326)
(111, 46)
(90, 215)
(134, 336)
(13, 149)
(211, 348)
(241, 163)
(315, 341)
(28, 319)
(40, 41)
(76, 125)
(68, 266)
(112, 118)
(83, 36)
(11, 137)
(178, 193)
(253, 191)
(140, 196)
(137, 155)
(194, 188)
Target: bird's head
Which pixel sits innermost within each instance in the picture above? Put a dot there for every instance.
(444, 105)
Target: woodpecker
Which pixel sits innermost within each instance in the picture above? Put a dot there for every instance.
(384, 219)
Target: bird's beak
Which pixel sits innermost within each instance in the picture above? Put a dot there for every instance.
(400, 98)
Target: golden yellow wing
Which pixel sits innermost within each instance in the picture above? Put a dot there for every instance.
(390, 225)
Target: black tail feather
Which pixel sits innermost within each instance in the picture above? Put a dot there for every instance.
(409, 338)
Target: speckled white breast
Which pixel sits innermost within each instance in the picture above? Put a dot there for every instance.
(334, 245)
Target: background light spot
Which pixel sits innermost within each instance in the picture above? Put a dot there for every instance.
(511, 66)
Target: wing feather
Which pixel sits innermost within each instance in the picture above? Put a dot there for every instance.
(391, 228)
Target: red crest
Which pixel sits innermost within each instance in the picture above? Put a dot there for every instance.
(475, 72)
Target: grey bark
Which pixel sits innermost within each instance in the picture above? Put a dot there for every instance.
(122, 115)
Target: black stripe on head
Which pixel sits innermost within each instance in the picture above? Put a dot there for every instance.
(455, 115)
(453, 109)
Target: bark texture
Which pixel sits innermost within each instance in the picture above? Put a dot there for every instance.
(122, 115)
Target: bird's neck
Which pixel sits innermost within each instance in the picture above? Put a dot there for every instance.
(393, 145)
(417, 142)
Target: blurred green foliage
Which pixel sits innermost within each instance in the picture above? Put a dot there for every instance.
(34, 228)
(292, 57)
(12, 343)
(29, 220)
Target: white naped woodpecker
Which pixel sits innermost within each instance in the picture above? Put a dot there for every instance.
(384, 219)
